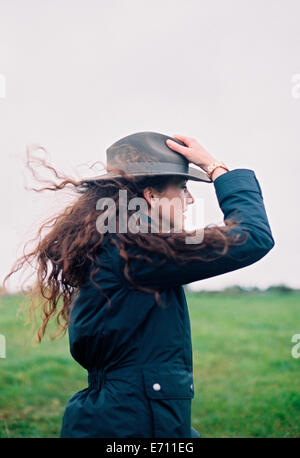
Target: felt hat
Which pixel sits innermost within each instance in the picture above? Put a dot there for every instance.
(146, 153)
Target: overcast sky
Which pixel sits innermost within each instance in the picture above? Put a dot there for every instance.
(75, 76)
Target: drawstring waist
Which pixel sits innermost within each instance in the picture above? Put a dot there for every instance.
(97, 376)
(96, 379)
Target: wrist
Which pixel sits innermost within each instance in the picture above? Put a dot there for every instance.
(218, 172)
(204, 166)
(214, 166)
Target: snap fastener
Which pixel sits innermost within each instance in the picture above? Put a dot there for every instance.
(192, 387)
(156, 386)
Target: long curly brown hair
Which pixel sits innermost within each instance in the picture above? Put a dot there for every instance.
(66, 253)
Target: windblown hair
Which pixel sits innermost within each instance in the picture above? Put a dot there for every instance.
(65, 255)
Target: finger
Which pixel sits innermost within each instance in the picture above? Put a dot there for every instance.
(176, 147)
(184, 139)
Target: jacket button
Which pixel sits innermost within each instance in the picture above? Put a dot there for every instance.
(192, 387)
(156, 386)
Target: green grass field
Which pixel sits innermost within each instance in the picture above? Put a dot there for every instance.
(247, 384)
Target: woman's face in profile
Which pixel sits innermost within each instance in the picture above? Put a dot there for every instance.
(171, 205)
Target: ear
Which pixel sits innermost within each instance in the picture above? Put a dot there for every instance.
(149, 194)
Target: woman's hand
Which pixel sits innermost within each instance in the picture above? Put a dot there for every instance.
(193, 152)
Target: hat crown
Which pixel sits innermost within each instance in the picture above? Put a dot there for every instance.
(146, 151)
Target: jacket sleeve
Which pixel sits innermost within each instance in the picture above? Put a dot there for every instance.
(238, 193)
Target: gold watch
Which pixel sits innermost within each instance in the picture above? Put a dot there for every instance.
(212, 167)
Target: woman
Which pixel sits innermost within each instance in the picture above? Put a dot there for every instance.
(122, 283)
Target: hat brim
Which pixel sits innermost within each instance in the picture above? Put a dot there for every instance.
(193, 174)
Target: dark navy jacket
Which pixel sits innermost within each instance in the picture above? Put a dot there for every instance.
(139, 355)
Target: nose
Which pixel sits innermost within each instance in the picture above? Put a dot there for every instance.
(190, 198)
